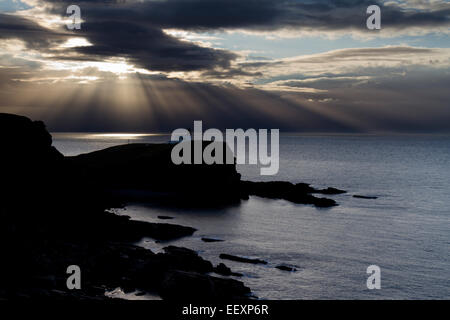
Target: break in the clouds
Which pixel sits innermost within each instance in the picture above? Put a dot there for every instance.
(155, 65)
(34, 35)
(134, 29)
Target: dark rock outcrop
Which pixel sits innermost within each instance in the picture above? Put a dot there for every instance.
(158, 231)
(286, 268)
(165, 218)
(296, 193)
(365, 197)
(187, 260)
(330, 191)
(181, 285)
(23, 141)
(109, 265)
(211, 240)
(306, 188)
(223, 270)
(146, 171)
(241, 259)
(28, 160)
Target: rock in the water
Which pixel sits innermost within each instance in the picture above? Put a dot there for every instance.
(165, 218)
(330, 191)
(211, 240)
(299, 193)
(286, 268)
(306, 188)
(241, 259)
(365, 197)
(223, 270)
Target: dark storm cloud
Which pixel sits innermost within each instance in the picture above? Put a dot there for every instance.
(133, 29)
(150, 47)
(262, 14)
(275, 14)
(123, 29)
(34, 36)
(143, 44)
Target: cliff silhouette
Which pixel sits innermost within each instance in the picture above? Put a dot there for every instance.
(54, 213)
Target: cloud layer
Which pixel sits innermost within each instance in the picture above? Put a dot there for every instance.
(134, 29)
(124, 71)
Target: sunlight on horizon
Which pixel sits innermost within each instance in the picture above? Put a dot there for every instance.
(125, 135)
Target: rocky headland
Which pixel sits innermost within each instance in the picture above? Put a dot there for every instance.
(54, 213)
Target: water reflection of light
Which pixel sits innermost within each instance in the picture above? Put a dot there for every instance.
(124, 135)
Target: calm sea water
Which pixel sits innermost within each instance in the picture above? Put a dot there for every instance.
(406, 231)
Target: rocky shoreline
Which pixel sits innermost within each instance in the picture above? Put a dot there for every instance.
(55, 212)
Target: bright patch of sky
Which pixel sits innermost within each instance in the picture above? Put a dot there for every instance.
(12, 6)
(259, 46)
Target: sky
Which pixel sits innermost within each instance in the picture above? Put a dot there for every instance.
(294, 65)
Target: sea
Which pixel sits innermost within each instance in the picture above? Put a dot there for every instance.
(405, 231)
